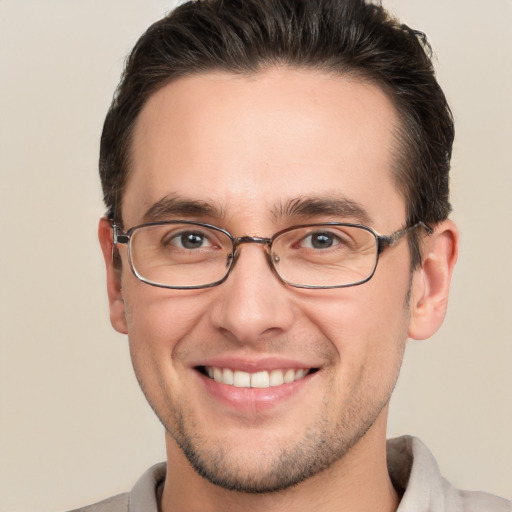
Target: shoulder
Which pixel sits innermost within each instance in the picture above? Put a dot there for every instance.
(483, 502)
(117, 503)
(142, 498)
(415, 472)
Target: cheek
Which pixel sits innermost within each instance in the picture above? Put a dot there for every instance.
(367, 324)
(158, 321)
(161, 315)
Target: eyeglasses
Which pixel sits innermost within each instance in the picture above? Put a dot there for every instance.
(181, 254)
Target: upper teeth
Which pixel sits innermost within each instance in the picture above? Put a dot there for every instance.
(263, 379)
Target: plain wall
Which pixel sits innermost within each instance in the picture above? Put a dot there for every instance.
(75, 428)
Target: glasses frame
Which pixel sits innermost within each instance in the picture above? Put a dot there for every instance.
(382, 242)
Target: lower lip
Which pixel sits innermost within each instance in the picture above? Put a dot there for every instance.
(253, 399)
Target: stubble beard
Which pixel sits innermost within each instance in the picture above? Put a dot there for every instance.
(324, 442)
(321, 446)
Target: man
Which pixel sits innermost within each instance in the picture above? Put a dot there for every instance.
(276, 175)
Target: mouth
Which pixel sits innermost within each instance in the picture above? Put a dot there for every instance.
(261, 379)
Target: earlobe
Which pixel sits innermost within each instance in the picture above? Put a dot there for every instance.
(115, 294)
(431, 281)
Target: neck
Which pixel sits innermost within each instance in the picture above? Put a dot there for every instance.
(358, 482)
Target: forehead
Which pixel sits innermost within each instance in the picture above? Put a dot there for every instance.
(251, 144)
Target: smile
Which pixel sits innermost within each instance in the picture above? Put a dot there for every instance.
(261, 379)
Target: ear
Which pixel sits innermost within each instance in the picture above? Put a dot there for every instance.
(431, 281)
(114, 290)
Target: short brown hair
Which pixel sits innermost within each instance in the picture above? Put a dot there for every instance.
(346, 37)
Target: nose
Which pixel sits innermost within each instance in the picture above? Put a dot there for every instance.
(253, 304)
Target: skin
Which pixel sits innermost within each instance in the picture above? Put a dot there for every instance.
(248, 146)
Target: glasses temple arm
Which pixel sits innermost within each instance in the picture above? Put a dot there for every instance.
(118, 236)
(387, 241)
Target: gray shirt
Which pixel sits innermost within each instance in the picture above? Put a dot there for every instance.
(413, 470)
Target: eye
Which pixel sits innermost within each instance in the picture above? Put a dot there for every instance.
(320, 240)
(188, 240)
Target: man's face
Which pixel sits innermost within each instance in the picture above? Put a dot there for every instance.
(252, 149)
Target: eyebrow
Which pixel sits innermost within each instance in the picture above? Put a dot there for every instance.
(174, 206)
(333, 206)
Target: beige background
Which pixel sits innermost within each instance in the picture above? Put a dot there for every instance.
(74, 425)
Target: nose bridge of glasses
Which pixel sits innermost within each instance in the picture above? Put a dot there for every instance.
(251, 240)
(266, 242)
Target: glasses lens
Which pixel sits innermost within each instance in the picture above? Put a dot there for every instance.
(325, 255)
(180, 255)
